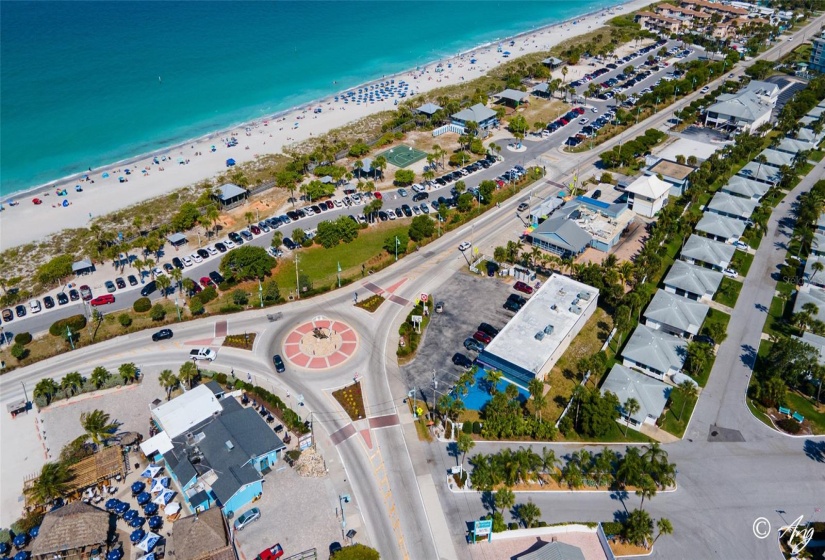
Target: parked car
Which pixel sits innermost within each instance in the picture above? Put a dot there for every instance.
(105, 299)
(462, 360)
(216, 277)
(272, 553)
(247, 517)
(220, 247)
(255, 230)
(74, 295)
(85, 292)
(62, 299)
(279, 363)
(488, 329)
(35, 306)
(473, 344)
(121, 283)
(203, 253)
(20, 310)
(8, 315)
(162, 334)
(110, 286)
(149, 288)
(48, 302)
(133, 281)
(202, 354)
(483, 337)
(177, 263)
(730, 273)
(512, 306)
(439, 307)
(522, 287)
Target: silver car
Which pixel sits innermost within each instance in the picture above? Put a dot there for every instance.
(247, 517)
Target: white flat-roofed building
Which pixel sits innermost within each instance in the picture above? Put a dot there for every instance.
(532, 342)
(188, 410)
(647, 195)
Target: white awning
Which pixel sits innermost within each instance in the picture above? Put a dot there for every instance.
(156, 444)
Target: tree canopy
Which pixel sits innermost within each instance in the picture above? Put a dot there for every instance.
(246, 262)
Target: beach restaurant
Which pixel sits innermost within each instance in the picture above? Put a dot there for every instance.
(230, 194)
(478, 113)
(82, 267)
(512, 97)
(176, 239)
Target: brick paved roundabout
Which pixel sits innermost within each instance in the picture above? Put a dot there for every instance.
(320, 344)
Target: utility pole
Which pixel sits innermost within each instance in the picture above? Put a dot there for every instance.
(69, 335)
(396, 248)
(261, 292)
(297, 282)
(25, 394)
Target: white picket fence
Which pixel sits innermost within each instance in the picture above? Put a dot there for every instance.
(448, 128)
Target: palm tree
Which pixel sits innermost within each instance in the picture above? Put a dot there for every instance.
(654, 453)
(464, 444)
(549, 462)
(492, 377)
(128, 372)
(646, 488)
(631, 406)
(760, 159)
(177, 276)
(630, 468)
(249, 216)
(529, 513)
(504, 499)
(212, 214)
(188, 285)
(688, 390)
(46, 388)
(665, 528)
(97, 426)
(54, 481)
(536, 388)
(150, 266)
(188, 372)
(72, 382)
(168, 381)
(564, 74)
(100, 375)
(163, 282)
(817, 267)
(638, 528)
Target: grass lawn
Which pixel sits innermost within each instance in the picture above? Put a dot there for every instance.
(320, 264)
(759, 414)
(704, 375)
(785, 288)
(728, 292)
(773, 323)
(804, 406)
(564, 376)
(816, 155)
(753, 237)
(741, 262)
(615, 434)
(716, 316)
(671, 422)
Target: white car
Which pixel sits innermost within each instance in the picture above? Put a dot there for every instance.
(594, 110)
(212, 250)
(34, 305)
(704, 89)
(741, 245)
(228, 243)
(158, 271)
(730, 273)
(418, 188)
(464, 246)
(337, 203)
(202, 354)
(196, 257)
(187, 261)
(584, 120)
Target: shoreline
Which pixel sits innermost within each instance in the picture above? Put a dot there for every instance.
(198, 147)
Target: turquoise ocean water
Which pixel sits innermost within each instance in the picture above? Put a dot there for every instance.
(79, 81)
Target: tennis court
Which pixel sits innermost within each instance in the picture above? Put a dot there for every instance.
(402, 156)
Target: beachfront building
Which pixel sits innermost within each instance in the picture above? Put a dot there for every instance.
(176, 239)
(76, 531)
(582, 223)
(552, 62)
(817, 62)
(745, 110)
(654, 353)
(531, 342)
(428, 109)
(706, 252)
(230, 195)
(720, 228)
(675, 174)
(651, 394)
(485, 118)
(542, 90)
(724, 10)
(512, 97)
(731, 206)
(647, 195)
(204, 536)
(692, 282)
(658, 23)
(215, 450)
(675, 314)
(83, 266)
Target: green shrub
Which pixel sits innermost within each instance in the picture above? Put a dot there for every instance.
(467, 428)
(476, 428)
(221, 378)
(240, 297)
(512, 526)
(195, 306)
(19, 351)
(207, 295)
(124, 319)
(158, 313)
(789, 425)
(542, 523)
(612, 528)
(230, 308)
(75, 323)
(142, 305)
(22, 338)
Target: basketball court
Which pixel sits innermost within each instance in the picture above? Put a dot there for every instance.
(403, 156)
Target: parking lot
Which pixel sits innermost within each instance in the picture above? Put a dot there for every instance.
(469, 299)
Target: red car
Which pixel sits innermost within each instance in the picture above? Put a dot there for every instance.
(482, 337)
(563, 122)
(103, 300)
(579, 110)
(377, 195)
(522, 287)
(206, 282)
(271, 553)
(85, 292)
(255, 230)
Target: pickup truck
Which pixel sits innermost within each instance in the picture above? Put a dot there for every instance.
(272, 553)
(202, 354)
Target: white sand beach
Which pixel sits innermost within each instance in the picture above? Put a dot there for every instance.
(194, 161)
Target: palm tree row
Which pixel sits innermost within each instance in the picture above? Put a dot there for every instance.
(73, 383)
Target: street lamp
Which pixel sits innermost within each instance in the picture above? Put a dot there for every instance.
(261, 292)
(396, 248)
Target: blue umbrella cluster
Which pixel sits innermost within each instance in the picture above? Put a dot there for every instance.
(129, 515)
(20, 540)
(137, 535)
(150, 509)
(137, 522)
(121, 508)
(115, 554)
(34, 531)
(22, 555)
(376, 92)
(143, 498)
(112, 503)
(155, 522)
(138, 487)
(4, 548)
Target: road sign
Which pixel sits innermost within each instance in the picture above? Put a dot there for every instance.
(424, 298)
(483, 528)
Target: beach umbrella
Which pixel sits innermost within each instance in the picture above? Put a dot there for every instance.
(164, 497)
(65, 203)
(137, 535)
(122, 508)
(105, 175)
(20, 540)
(151, 471)
(115, 554)
(230, 162)
(138, 487)
(150, 509)
(4, 547)
(171, 509)
(122, 179)
(149, 542)
(160, 484)
(22, 555)
(137, 522)
(155, 522)
(129, 515)
(112, 503)
(143, 498)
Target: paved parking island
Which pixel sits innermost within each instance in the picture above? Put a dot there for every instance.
(320, 344)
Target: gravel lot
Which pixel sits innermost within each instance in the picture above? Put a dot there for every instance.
(469, 300)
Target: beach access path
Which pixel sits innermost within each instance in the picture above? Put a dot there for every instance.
(26, 222)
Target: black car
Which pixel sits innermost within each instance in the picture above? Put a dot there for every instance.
(177, 263)
(383, 216)
(597, 194)
(168, 268)
(317, 209)
(420, 196)
(333, 548)
(162, 334)
(20, 310)
(48, 302)
(511, 306)
(488, 329)
(292, 215)
(8, 315)
(289, 243)
(520, 300)
(462, 360)
(407, 210)
(246, 234)
(279, 363)
(132, 280)
(74, 295)
(203, 253)
(149, 288)
(216, 277)
(62, 299)
(121, 283)
(235, 238)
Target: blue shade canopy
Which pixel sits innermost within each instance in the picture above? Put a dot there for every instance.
(149, 542)
(137, 535)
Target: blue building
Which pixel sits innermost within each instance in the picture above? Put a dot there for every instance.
(215, 450)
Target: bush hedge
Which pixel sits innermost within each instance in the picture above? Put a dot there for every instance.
(142, 305)
(124, 319)
(75, 323)
(612, 528)
(207, 295)
(789, 425)
(22, 338)
(467, 427)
